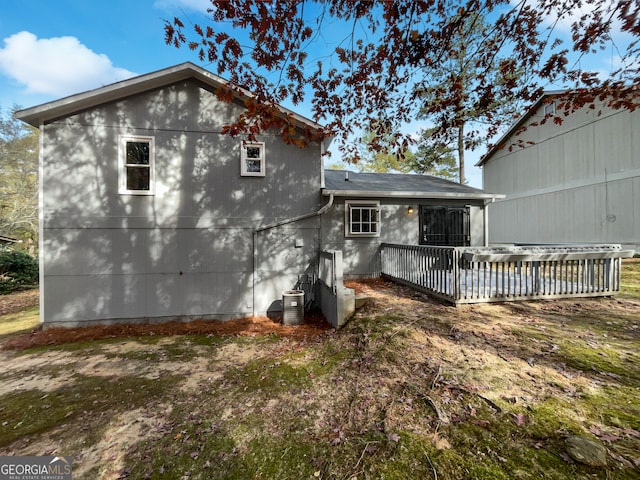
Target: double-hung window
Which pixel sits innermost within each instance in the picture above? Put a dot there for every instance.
(252, 159)
(362, 219)
(136, 165)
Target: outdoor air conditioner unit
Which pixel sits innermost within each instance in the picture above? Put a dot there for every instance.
(293, 307)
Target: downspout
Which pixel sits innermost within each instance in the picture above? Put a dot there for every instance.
(485, 212)
(41, 232)
(274, 225)
(298, 218)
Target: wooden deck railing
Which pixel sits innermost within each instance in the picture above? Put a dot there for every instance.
(490, 274)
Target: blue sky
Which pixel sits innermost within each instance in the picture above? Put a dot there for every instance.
(53, 48)
(50, 49)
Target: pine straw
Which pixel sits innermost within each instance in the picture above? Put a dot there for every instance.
(313, 326)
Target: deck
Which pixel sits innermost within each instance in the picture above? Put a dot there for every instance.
(497, 274)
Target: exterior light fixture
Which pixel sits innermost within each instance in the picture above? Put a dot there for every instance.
(410, 210)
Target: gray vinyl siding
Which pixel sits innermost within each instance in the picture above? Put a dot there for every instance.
(361, 255)
(577, 182)
(283, 255)
(188, 249)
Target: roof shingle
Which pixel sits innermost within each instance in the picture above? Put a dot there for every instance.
(398, 185)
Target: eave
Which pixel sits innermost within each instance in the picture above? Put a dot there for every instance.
(72, 104)
(514, 128)
(411, 195)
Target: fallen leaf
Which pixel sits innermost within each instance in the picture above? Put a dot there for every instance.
(608, 437)
(458, 418)
(481, 423)
(394, 437)
(595, 430)
(631, 431)
(520, 419)
(566, 458)
(439, 442)
(621, 459)
(370, 448)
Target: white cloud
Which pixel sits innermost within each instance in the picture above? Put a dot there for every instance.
(566, 14)
(197, 5)
(56, 66)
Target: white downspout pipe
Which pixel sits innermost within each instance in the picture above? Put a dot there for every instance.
(298, 218)
(485, 212)
(274, 225)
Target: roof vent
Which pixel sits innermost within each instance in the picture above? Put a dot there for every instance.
(346, 176)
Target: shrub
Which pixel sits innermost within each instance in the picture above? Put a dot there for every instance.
(17, 270)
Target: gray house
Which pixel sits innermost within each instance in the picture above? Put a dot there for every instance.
(577, 181)
(374, 208)
(148, 211)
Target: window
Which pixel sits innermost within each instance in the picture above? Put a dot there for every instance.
(136, 157)
(550, 109)
(252, 159)
(362, 219)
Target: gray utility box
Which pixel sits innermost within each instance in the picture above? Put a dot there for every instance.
(292, 307)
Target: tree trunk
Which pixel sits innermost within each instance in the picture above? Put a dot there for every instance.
(461, 152)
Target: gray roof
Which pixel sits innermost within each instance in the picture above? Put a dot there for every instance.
(397, 185)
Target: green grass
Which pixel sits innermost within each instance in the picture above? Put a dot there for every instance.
(611, 359)
(19, 322)
(32, 412)
(269, 376)
(630, 278)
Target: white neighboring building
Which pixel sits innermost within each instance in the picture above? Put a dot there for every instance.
(577, 181)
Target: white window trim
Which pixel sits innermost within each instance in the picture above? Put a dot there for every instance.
(243, 158)
(550, 108)
(122, 167)
(347, 218)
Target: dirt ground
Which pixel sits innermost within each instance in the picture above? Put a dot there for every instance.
(26, 373)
